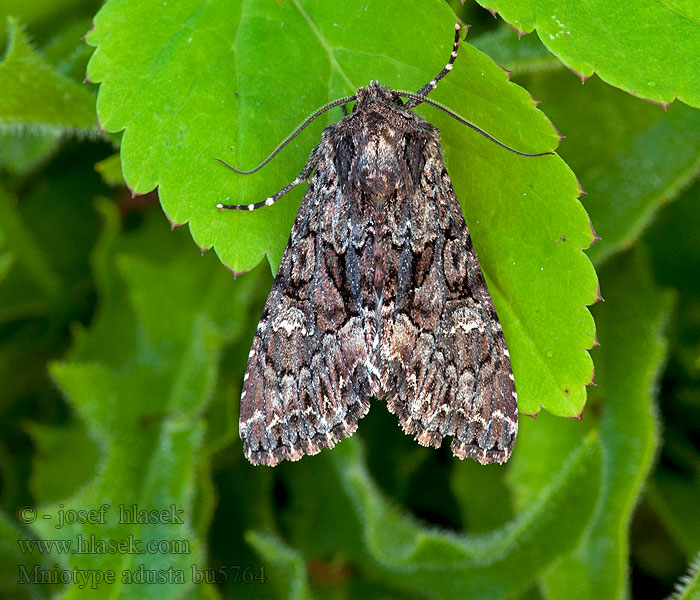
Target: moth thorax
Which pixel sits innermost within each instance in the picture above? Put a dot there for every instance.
(378, 173)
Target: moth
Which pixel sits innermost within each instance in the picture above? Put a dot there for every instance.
(379, 293)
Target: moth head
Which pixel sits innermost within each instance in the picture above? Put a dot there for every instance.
(375, 93)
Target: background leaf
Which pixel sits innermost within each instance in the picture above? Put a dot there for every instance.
(292, 577)
(489, 566)
(25, 79)
(32, 128)
(639, 158)
(647, 48)
(629, 360)
(689, 586)
(149, 455)
(633, 152)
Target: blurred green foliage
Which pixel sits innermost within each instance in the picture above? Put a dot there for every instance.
(122, 348)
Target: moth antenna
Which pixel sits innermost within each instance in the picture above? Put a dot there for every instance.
(303, 176)
(432, 84)
(291, 136)
(462, 120)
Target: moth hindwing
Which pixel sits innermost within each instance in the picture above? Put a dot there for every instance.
(379, 293)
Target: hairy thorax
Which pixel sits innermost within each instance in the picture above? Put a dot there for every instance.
(377, 171)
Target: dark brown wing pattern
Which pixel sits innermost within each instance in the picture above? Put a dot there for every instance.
(447, 367)
(307, 380)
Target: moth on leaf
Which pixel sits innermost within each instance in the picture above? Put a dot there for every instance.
(379, 293)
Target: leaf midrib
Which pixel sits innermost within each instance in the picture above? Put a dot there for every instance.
(325, 45)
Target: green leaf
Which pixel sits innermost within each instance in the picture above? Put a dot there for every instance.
(68, 51)
(542, 447)
(14, 560)
(688, 588)
(143, 404)
(48, 15)
(291, 577)
(422, 559)
(517, 209)
(673, 496)
(6, 260)
(49, 277)
(519, 55)
(488, 509)
(646, 48)
(675, 486)
(631, 157)
(148, 461)
(674, 257)
(22, 152)
(314, 507)
(25, 249)
(66, 458)
(631, 329)
(37, 98)
(111, 170)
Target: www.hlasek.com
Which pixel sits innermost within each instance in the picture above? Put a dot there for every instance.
(91, 544)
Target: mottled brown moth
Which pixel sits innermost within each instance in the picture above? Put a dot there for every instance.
(379, 293)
